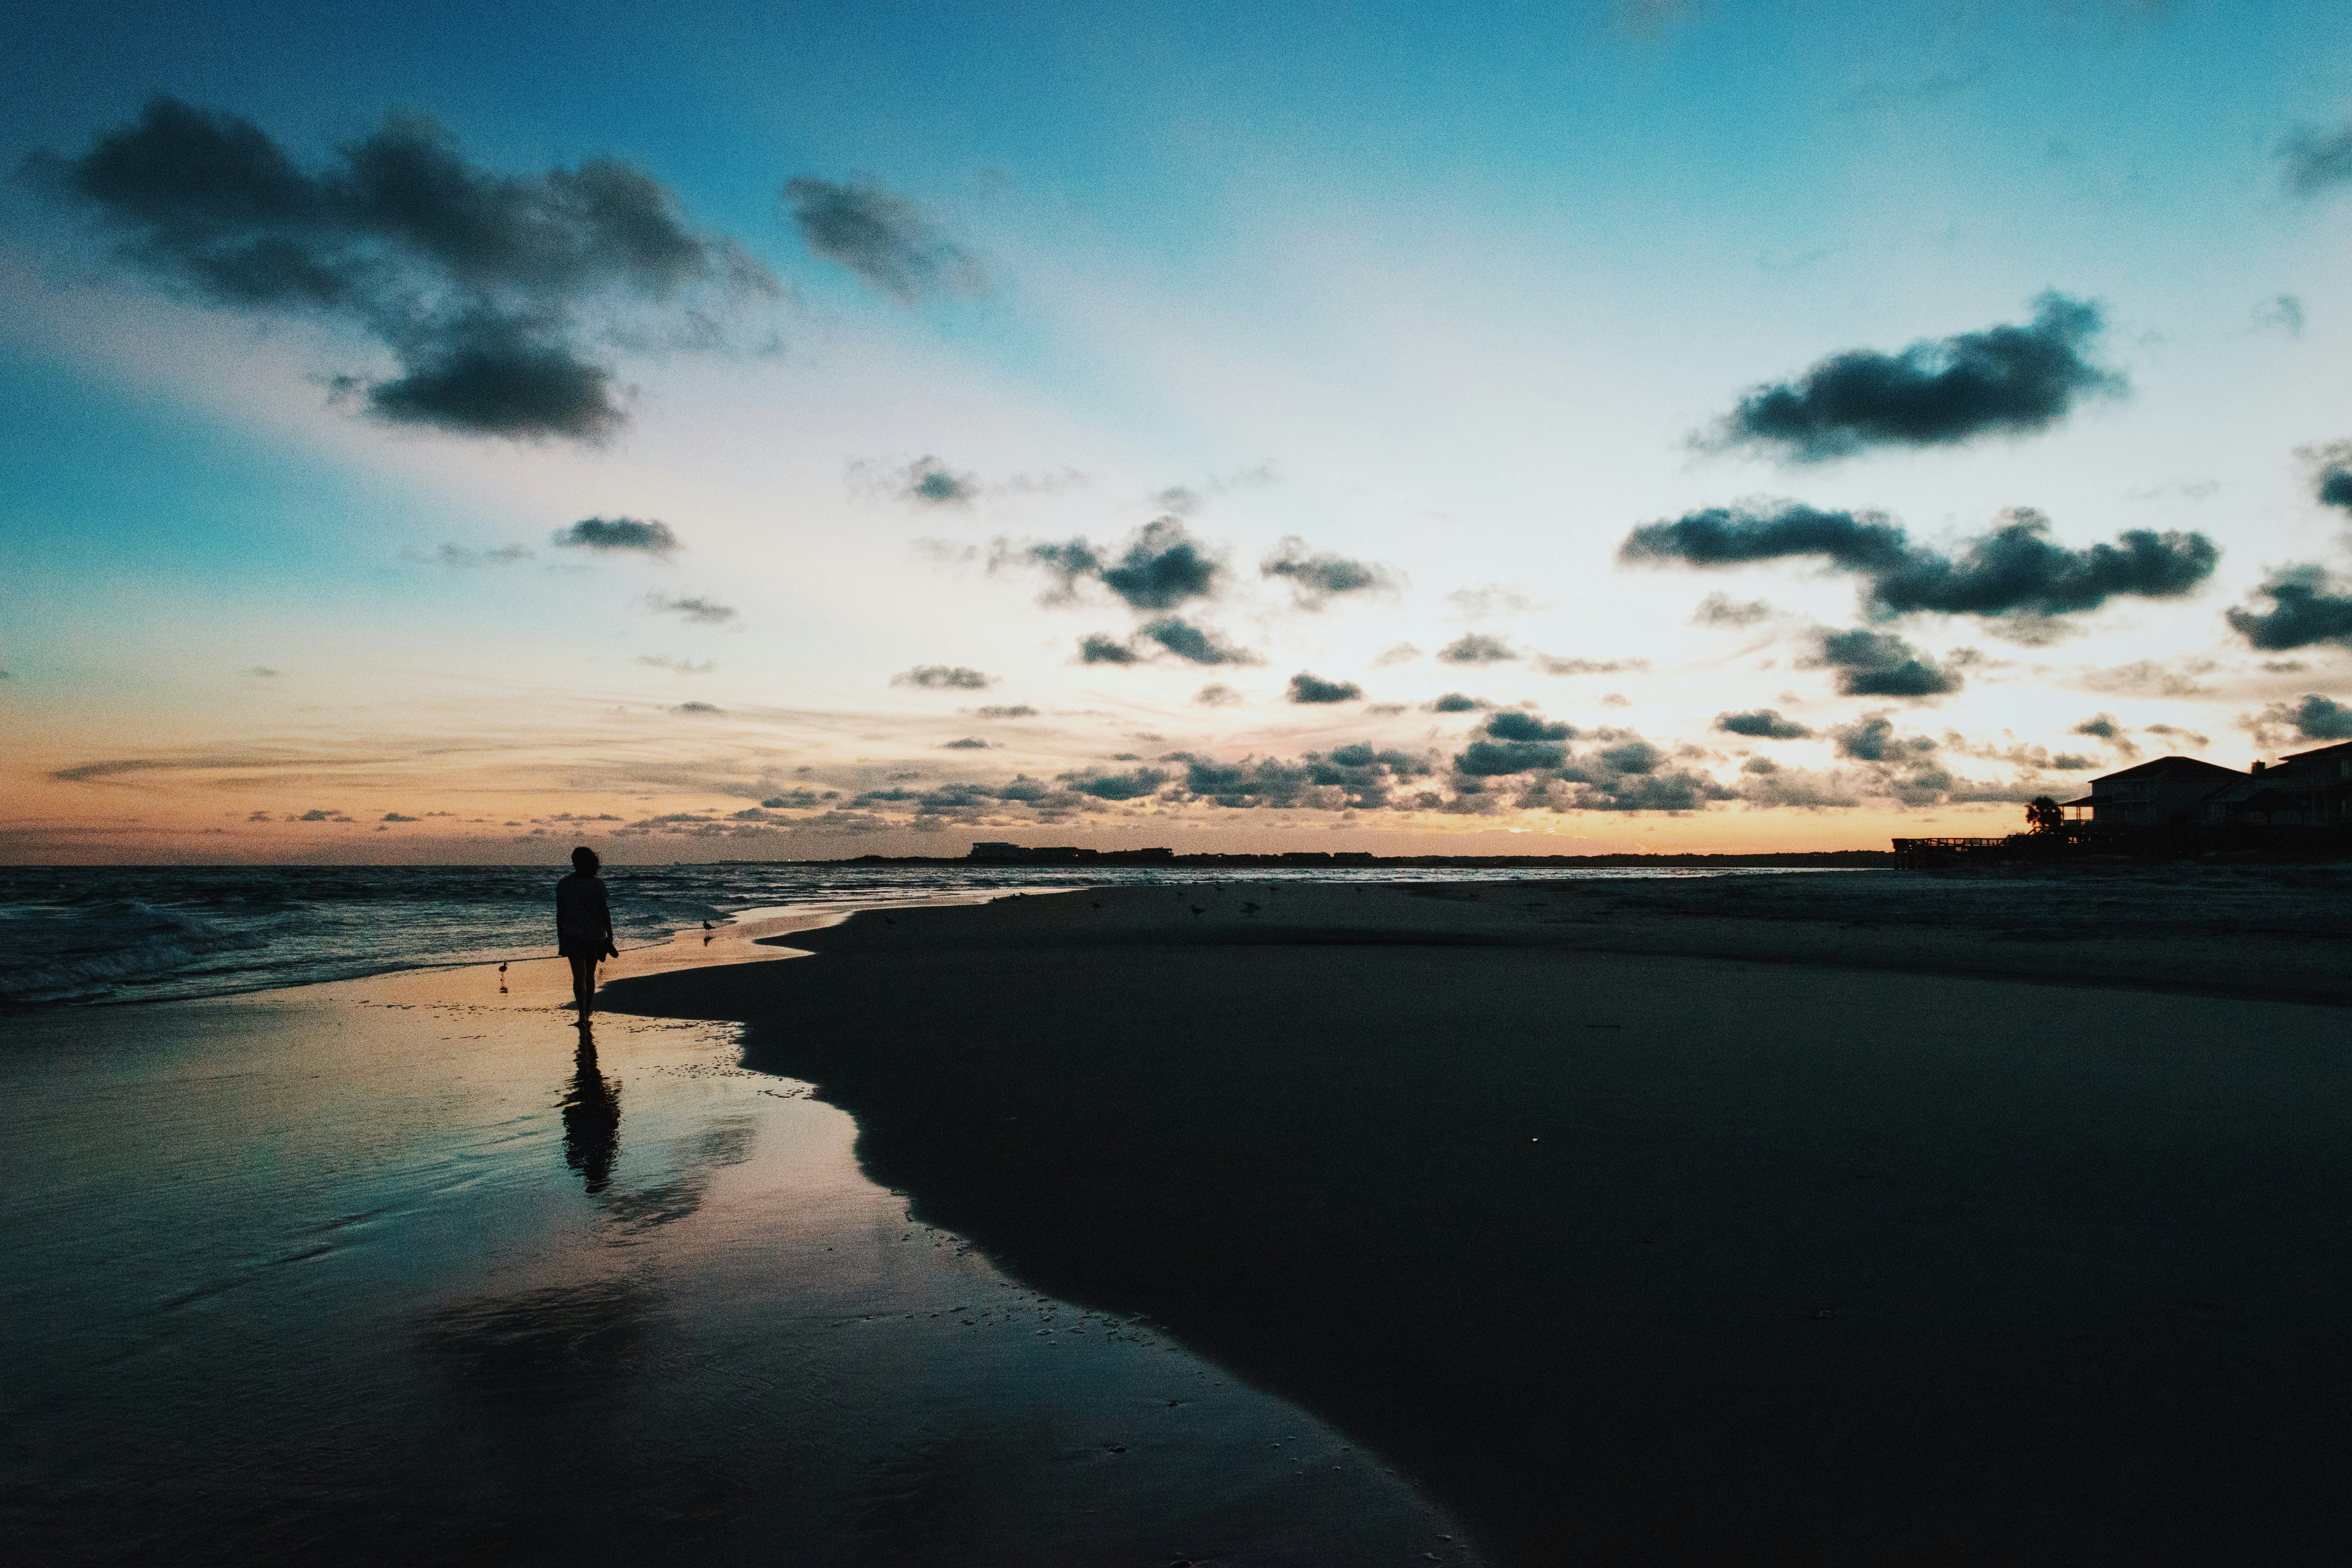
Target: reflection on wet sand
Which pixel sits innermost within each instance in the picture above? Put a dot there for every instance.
(592, 1117)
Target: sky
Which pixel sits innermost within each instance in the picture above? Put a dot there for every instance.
(436, 433)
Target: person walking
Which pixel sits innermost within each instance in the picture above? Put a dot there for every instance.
(583, 927)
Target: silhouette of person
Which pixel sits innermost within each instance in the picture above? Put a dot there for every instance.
(592, 1118)
(583, 927)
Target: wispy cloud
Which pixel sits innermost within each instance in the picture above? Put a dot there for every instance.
(697, 608)
(886, 239)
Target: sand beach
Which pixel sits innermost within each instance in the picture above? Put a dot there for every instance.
(1819, 1220)
(1839, 1218)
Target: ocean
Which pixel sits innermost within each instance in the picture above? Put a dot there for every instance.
(82, 935)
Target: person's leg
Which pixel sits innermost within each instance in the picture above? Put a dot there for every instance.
(584, 985)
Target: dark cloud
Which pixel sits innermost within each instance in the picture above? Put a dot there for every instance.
(1101, 648)
(1880, 664)
(2307, 609)
(1763, 724)
(931, 482)
(1011, 711)
(1346, 778)
(1872, 739)
(2005, 380)
(1317, 579)
(395, 817)
(2013, 571)
(1160, 567)
(1305, 688)
(1455, 702)
(944, 677)
(1196, 645)
(2174, 731)
(2315, 161)
(883, 237)
(1477, 647)
(2315, 717)
(2103, 726)
(698, 708)
(486, 288)
(2332, 473)
(969, 743)
(707, 612)
(606, 535)
(1514, 742)
(1132, 785)
(1216, 694)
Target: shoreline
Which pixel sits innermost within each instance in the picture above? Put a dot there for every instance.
(403, 1269)
(1634, 1252)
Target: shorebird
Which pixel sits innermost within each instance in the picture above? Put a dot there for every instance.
(502, 969)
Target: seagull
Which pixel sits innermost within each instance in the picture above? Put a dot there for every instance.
(705, 925)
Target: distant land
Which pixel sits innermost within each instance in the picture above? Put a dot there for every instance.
(1063, 855)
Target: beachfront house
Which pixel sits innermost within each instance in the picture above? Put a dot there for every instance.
(2309, 789)
(2167, 792)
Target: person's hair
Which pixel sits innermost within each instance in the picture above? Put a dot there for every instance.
(584, 861)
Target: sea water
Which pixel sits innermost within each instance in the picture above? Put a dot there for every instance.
(81, 935)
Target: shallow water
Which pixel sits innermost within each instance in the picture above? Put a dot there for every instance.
(304, 1279)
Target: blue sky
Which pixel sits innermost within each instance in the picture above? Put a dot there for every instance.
(1454, 295)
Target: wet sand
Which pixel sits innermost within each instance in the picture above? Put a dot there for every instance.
(388, 1271)
(1639, 1225)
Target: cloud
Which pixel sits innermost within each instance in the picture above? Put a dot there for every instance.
(931, 482)
(1160, 567)
(2315, 717)
(1186, 500)
(1358, 777)
(2189, 737)
(458, 558)
(1305, 688)
(2102, 727)
(703, 611)
(682, 666)
(1489, 600)
(693, 708)
(2283, 311)
(1456, 702)
(1101, 648)
(1514, 742)
(262, 671)
(2331, 468)
(2005, 380)
(1011, 711)
(1720, 610)
(605, 535)
(1132, 785)
(1880, 664)
(1551, 665)
(883, 237)
(1217, 694)
(395, 817)
(2315, 161)
(1196, 645)
(2013, 571)
(1763, 724)
(1872, 739)
(944, 677)
(969, 743)
(1396, 653)
(486, 288)
(1317, 579)
(1477, 647)
(2306, 608)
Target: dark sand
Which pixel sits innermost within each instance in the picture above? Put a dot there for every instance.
(1840, 1248)
(386, 1272)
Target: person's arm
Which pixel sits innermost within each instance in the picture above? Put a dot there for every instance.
(604, 908)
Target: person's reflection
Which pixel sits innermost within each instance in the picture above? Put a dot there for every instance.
(592, 1118)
